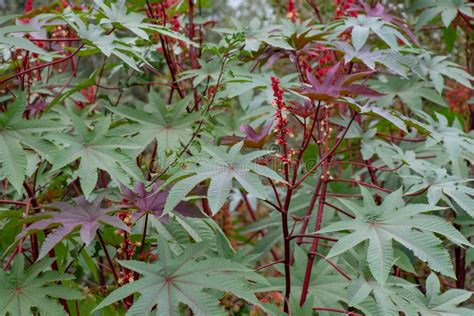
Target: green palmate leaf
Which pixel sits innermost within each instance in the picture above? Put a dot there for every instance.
(411, 92)
(96, 149)
(448, 9)
(12, 36)
(393, 116)
(221, 168)
(438, 67)
(22, 290)
(362, 26)
(108, 43)
(258, 34)
(16, 133)
(184, 279)
(170, 126)
(447, 303)
(393, 60)
(449, 140)
(389, 299)
(395, 221)
(440, 186)
(116, 13)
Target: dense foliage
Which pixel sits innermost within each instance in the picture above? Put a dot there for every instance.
(157, 157)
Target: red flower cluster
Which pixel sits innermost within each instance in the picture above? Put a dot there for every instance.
(322, 56)
(159, 11)
(292, 13)
(89, 94)
(458, 97)
(342, 9)
(280, 118)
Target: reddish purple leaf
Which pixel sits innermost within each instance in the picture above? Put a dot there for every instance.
(253, 138)
(153, 202)
(83, 215)
(336, 83)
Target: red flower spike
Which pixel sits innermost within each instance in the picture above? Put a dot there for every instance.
(28, 6)
(280, 119)
(292, 13)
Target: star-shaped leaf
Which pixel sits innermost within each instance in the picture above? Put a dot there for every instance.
(221, 168)
(183, 279)
(83, 215)
(117, 14)
(410, 91)
(440, 186)
(446, 303)
(335, 84)
(393, 220)
(438, 67)
(448, 139)
(362, 26)
(97, 149)
(17, 133)
(254, 138)
(22, 290)
(170, 126)
(448, 9)
(153, 201)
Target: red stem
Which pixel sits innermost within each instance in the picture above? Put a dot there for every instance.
(336, 310)
(341, 272)
(54, 62)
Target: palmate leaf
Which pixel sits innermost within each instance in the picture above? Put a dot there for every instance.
(410, 91)
(395, 296)
(393, 60)
(17, 133)
(395, 221)
(83, 215)
(379, 11)
(22, 290)
(448, 139)
(393, 116)
(116, 13)
(336, 84)
(12, 37)
(438, 67)
(362, 26)
(97, 149)
(184, 279)
(108, 43)
(447, 303)
(257, 34)
(153, 202)
(221, 168)
(440, 186)
(170, 126)
(448, 9)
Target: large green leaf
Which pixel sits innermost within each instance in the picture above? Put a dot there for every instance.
(395, 221)
(184, 279)
(17, 134)
(96, 149)
(36, 287)
(221, 168)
